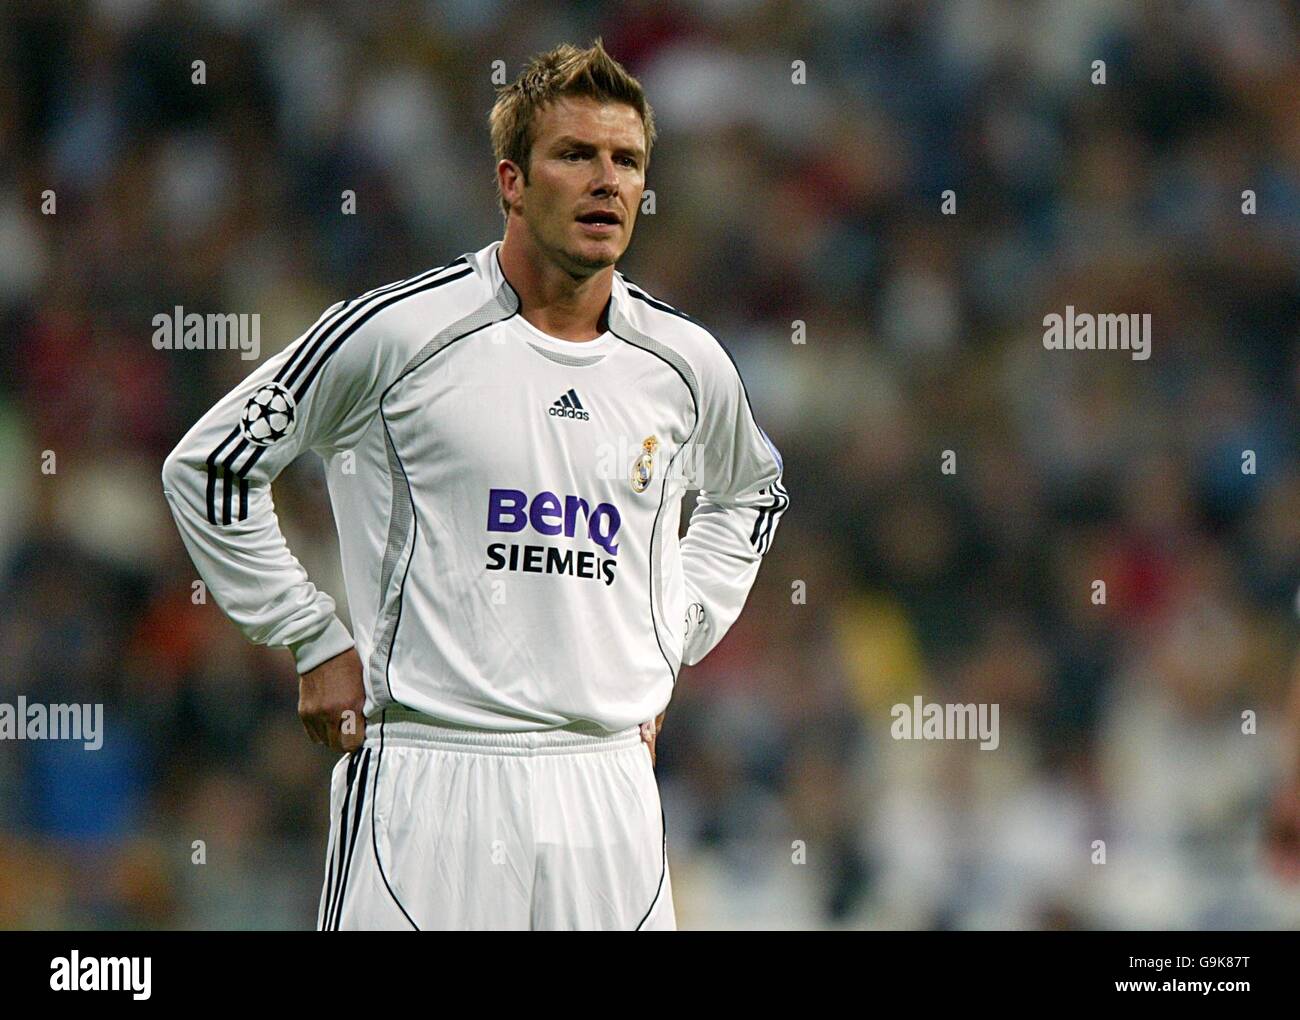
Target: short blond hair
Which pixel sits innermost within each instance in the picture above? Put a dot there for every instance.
(563, 71)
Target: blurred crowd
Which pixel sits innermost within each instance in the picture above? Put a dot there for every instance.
(799, 214)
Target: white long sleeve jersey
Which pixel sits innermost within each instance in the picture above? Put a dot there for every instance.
(507, 503)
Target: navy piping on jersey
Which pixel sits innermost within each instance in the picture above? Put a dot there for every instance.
(682, 315)
(663, 488)
(415, 516)
(768, 514)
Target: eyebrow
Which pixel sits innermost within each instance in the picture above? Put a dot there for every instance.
(571, 141)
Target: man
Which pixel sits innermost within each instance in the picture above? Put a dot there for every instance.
(507, 442)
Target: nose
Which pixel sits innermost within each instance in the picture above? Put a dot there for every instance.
(606, 182)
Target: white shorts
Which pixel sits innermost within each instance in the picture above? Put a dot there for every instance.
(435, 827)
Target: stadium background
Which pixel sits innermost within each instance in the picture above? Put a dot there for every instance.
(776, 202)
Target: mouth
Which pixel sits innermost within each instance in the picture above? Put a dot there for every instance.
(600, 222)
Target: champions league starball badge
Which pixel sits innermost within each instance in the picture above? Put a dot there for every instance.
(269, 415)
(644, 466)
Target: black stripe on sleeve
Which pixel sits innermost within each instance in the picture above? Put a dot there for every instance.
(774, 515)
(309, 347)
(212, 474)
(306, 350)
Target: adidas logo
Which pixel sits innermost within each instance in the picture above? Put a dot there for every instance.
(568, 406)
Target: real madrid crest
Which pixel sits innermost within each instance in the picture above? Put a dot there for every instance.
(644, 466)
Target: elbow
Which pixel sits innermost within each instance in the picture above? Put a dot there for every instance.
(174, 466)
(171, 465)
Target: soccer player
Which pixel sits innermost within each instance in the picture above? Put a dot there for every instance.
(507, 442)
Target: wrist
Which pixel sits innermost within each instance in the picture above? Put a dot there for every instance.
(333, 640)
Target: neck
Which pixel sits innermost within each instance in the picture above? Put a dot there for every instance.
(550, 297)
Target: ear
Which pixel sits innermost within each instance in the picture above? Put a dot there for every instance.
(510, 178)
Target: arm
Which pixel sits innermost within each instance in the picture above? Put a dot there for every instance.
(738, 471)
(318, 392)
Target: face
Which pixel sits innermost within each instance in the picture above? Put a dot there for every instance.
(586, 174)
